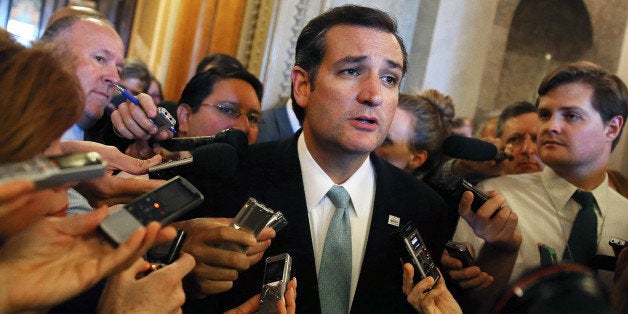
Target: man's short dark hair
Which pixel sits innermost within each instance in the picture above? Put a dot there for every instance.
(609, 97)
(202, 84)
(514, 110)
(311, 48)
(217, 59)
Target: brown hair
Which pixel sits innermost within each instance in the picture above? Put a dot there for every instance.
(433, 114)
(40, 98)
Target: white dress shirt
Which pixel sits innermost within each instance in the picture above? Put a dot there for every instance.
(361, 188)
(546, 211)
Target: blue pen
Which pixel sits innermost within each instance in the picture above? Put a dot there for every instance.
(164, 119)
(126, 94)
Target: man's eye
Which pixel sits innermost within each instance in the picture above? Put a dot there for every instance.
(100, 59)
(544, 115)
(572, 116)
(253, 118)
(390, 80)
(227, 110)
(351, 71)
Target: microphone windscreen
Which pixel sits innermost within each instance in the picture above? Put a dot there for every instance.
(218, 160)
(236, 138)
(468, 148)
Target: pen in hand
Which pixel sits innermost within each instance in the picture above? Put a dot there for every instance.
(163, 120)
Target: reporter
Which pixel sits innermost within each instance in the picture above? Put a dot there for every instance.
(436, 300)
(161, 291)
(56, 258)
(216, 269)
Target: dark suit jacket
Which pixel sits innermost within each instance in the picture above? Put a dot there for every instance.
(275, 125)
(271, 173)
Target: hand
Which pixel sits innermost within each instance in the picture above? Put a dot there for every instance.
(501, 229)
(215, 269)
(468, 277)
(113, 156)
(111, 190)
(58, 257)
(256, 251)
(159, 292)
(283, 307)
(14, 194)
(133, 122)
(437, 300)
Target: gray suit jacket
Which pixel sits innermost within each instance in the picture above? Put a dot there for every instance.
(274, 125)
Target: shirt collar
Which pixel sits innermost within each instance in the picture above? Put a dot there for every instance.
(560, 190)
(317, 183)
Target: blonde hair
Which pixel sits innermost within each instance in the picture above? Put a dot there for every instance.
(40, 98)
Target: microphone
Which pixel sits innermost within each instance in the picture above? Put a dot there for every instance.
(218, 160)
(236, 138)
(468, 148)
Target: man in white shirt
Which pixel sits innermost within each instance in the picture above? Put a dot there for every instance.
(581, 110)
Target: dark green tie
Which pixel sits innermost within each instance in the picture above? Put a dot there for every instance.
(582, 244)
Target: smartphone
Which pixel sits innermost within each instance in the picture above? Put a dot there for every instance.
(547, 255)
(165, 254)
(56, 170)
(413, 251)
(460, 252)
(479, 197)
(617, 244)
(172, 168)
(276, 278)
(163, 204)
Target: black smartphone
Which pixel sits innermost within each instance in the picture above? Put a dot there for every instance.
(164, 254)
(56, 170)
(460, 252)
(479, 197)
(413, 251)
(163, 204)
(276, 277)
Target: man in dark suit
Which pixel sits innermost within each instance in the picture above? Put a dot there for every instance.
(349, 63)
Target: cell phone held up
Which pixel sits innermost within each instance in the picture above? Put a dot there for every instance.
(460, 252)
(413, 250)
(53, 171)
(163, 204)
(479, 197)
(276, 277)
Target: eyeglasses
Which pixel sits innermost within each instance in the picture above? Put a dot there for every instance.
(231, 110)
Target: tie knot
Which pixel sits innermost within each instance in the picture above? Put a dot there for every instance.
(584, 198)
(339, 196)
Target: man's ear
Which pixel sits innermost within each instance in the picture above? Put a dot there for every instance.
(300, 85)
(417, 159)
(183, 116)
(613, 127)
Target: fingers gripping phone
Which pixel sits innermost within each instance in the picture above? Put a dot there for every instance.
(163, 204)
(56, 170)
(414, 251)
(276, 278)
(460, 252)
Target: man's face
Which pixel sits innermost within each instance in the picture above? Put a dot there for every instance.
(572, 135)
(355, 94)
(396, 146)
(519, 136)
(234, 94)
(99, 52)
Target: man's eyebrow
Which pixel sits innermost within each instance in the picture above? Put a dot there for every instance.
(394, 64)
(352, 59)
